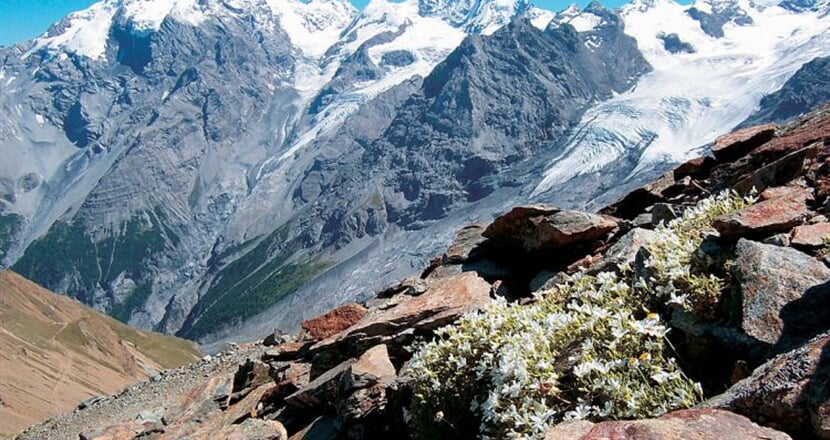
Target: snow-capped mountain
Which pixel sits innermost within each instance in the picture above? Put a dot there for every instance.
(713, 61)
(193, 166)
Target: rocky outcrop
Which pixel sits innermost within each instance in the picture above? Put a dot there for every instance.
(734, 145)
(543, 228)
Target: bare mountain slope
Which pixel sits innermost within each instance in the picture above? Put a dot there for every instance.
(56, 352)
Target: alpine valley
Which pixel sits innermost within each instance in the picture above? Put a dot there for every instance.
(218, 168)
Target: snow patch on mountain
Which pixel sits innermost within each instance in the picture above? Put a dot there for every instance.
(85, 32)
(690, 98)
(313, 26)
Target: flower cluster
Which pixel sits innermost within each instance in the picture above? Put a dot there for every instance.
(586, 349)
(669, 274)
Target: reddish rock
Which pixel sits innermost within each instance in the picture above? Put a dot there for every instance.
(540, 228)
(690, 424)
(443, 302)
(815, 130)
(789, 392)
(735, 145)
(334, 321)
(779, 211)
(811, 236)
(321, 392)
(249, 375)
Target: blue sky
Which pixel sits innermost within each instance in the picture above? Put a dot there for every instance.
(24, 19)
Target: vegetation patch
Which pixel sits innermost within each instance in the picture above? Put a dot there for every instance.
(68, 254)
(589, 348)
(10, 226)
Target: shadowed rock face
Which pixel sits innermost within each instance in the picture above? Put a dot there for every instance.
(805, 90)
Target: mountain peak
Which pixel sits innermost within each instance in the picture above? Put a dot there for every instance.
(312, 26)
(474, 16)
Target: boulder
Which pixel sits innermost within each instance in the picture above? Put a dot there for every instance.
(249, 375)
(790, 392)
(737, 144)
(811, 236)
(363, 387)
(779, 211)
(334, 321)
(690, 424)
(636, 202)
(770, 277)
(539, 228)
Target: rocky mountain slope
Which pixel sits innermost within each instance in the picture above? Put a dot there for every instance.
(55, 352)
(211, 186)
(725, 292)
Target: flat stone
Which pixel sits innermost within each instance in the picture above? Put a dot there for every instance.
(770, 277)
(811, 236)
(689, 424)
(789, 392)
(334, 321)
(737, 144)
(779, 212)
(533, 229)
